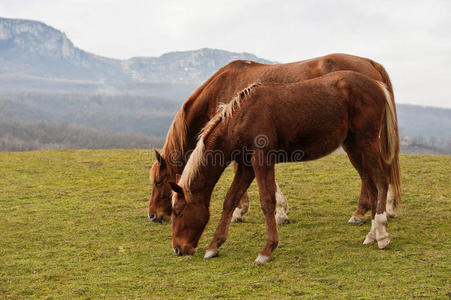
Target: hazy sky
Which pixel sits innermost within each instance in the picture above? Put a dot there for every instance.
(412, 39)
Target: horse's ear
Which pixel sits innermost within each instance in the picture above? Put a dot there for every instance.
(160, 159)
(176, 188)
(177, 177)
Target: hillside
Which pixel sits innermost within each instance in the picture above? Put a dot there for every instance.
(74, 225)
(44, 77)
(90, 100)
(31, 48)
(425, 121)
(34, 53)
(38, 135)
(423, 129)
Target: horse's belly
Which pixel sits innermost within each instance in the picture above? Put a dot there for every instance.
(317, 145)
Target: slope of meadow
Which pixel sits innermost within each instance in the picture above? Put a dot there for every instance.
(73, 225)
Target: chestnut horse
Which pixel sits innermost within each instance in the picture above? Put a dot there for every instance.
(298, 121)
(202, 105)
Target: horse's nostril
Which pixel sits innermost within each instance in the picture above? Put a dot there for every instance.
(151, 216)
(177, 251)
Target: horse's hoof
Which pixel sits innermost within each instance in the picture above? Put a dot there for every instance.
(238, 215)
(383, 243)
(356, 220)
(391, 214)
(237, 220)
(211, 254)
(370, 238)
(282, 220)
(262, 259)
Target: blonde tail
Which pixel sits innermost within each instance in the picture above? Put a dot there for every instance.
(389, 142)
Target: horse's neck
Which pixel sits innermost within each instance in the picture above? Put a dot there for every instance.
(215, 160)
(174, 160)
(196, 117)
(206, 180)
(197, 111)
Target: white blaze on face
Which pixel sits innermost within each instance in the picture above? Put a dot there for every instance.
(174, 198)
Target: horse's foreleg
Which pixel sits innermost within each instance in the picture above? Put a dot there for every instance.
(243, 178)
(264, 173)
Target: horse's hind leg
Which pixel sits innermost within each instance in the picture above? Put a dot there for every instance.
(367, 160)
(243, 178)
(378, 171)
(358, 217)
(390, 207)
(364, 205)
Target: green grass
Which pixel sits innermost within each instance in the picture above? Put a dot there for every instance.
(73, 225)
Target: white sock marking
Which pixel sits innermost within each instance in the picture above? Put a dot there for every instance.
(281, 207)
(389, 208)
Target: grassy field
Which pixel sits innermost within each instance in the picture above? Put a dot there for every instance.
(73, 224)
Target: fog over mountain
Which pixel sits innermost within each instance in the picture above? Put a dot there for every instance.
(45, 78)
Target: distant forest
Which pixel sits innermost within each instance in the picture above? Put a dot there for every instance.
(431, 145)
(77, 121)
(38, 135)
(117, 113)
(86, 121)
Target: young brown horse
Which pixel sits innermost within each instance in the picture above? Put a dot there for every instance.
(202, 105)
(305, 120)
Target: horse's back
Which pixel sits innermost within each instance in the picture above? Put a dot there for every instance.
(314, 113)
(238, 74)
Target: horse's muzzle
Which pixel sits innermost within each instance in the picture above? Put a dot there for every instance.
(187, 250)
(155, 219)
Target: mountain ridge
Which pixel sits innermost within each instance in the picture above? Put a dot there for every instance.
(33, 48)
(44, 77)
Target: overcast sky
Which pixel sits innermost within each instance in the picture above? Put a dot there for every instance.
(412, 39)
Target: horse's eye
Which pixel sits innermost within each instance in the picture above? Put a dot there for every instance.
(160, 182)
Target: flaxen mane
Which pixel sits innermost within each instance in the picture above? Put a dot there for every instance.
(225, 111)
(176, 138)
(177, 135)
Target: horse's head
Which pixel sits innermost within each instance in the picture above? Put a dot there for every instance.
(160, 198)
(189, 219)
